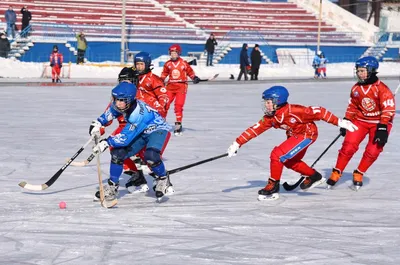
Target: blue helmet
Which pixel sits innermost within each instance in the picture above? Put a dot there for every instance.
(279, 96)
(370, 63)
(123, 92)
(144, 57)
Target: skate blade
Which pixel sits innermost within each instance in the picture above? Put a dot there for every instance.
(271, 197)
(355, 188)
(329, 187)
(178, 134)
(169, 191)
(315, 184)
(138, 189)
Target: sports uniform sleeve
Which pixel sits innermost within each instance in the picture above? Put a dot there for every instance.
(165, 72)
(189, 71)
(351, 110)
(108, 116)
(310, 114)
(254, 131)
(387, 104)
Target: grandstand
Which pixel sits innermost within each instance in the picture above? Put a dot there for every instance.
(272, 24)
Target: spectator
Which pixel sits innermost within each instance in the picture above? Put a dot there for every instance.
(11, 18)
(244, 63)
(255, 62)
(210, 48)
(26, 17)
(82, 46)
(4, 45)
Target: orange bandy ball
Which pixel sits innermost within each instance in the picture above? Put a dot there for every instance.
(62, 205)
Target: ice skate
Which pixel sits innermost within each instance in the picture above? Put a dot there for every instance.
(110, 191)
(312, 181)
(178, 129)
(335, 176)
(357, 180)
(270, 192)
(163, 187)
(137, 182)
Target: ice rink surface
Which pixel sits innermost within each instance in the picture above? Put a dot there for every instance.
(214, 216)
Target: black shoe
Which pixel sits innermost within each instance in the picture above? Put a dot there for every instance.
(178, 128)
(137, 178)
(271, 188)
(309, 181)
(110, 191)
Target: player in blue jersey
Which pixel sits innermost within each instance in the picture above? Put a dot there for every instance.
(145, 128)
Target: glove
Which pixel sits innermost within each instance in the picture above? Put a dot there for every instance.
(196, 79)
(95, 128)
(381, 134)
(348, 125)
(52, 64)
(100, 147)
(248, 67)
(343, 130)
(232, 150)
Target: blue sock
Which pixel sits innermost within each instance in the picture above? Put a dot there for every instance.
(159, 170)
(115, 172)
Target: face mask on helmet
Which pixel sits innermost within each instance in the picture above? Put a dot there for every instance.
(142, 62)
(123, 97)
(269, 106)
(365, 69)
(274, 98)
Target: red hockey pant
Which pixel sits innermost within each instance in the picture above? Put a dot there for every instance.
(351, 144)
(289, 154)
(55, 72)
(180, 97)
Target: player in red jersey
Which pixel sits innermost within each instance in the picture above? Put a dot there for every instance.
(371, 108)
(301, 131)
(177, 70)
(56, 61)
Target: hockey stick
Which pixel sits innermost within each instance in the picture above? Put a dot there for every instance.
(201, 80)
(50, 182)
(196, 164)
(83, 163)
(289, 187)
(104, 203)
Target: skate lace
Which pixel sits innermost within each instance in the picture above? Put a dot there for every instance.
(162, 185)
(307, 181)
(109, 191)
(270, 185)
(335, 176)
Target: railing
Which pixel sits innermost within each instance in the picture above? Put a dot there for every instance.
(387, 38)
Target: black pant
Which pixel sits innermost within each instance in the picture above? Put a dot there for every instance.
(243, 70)
(254, 72)
(24, 26)
(81, 56)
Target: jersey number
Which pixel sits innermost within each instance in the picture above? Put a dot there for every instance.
(388, 103)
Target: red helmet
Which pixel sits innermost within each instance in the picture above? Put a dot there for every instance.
(175, 48)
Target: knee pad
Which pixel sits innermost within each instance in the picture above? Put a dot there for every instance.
(276, 154)
(152, 156)
(118, 155)
(348, 149)
(372, 153)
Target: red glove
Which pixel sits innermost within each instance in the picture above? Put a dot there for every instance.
(248, 67)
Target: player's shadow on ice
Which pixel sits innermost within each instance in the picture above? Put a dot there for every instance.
(251, 184)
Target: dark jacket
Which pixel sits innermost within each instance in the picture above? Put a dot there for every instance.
(244, 57)
(210, 45)
(26, 16)
(4, 46)
(10, 16)
(255, 58)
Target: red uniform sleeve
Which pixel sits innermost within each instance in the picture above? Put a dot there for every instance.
(189, 71)
(387, 104)
(310, 114)
(160, 92)
(352, 110)
(253, 131)
(165, 72)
